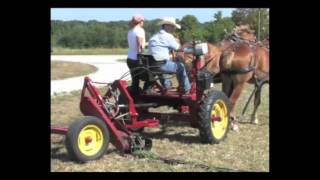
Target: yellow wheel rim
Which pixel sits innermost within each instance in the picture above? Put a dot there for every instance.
(219, 127)
(90, 140)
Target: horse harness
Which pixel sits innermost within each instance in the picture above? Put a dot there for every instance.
(235, 43)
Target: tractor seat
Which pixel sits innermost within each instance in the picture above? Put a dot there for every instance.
(147, 61)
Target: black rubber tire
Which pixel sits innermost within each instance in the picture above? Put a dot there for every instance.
(72, 139)
(204, 114)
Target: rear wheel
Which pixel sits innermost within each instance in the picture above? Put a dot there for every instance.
(87, 139)
(214, 117)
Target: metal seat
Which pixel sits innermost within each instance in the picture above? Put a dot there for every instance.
(152, 67)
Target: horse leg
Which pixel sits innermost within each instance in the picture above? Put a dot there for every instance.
(257, 101)
(236, 92)
(226, 85)
(227, 88)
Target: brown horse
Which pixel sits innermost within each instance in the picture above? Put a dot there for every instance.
(238, 61)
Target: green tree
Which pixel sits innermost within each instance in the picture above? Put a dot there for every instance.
(250, 16)
(151, 27)
(80, 34)
(190, 29)
(219, 28)
(218, 16)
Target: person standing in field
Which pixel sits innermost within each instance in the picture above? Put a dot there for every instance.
(136, 43)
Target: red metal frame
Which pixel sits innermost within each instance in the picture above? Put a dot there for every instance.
(59, 130)
(188, 104)
(92, 105)
(194, 95)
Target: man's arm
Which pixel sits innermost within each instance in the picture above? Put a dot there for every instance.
(173, 44)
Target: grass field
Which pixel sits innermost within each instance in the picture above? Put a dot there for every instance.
(89, 51)
(62, 69)
(247, 150)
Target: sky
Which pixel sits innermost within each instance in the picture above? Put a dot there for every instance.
(116, 14)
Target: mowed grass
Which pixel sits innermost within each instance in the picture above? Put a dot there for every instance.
(62, 69)
(247, 150)
(89, 51)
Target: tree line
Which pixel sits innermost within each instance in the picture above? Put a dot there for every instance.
(94, 34)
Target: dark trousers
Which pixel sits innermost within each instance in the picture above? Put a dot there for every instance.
(135, 76)
(135, 79)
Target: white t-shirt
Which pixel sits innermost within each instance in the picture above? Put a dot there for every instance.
(132, 41)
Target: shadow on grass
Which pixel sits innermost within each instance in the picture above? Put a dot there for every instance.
(55, 154)
(170, 161)
(179, 136)
(260, 124)
(60, 141)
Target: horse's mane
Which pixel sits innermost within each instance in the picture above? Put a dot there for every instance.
(238, 31)
(243, 28)
(265, 42)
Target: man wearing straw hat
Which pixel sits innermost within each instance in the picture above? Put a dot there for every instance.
(160, 45)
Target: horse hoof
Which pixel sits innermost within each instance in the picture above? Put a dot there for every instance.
(235, 127)
(255, 121)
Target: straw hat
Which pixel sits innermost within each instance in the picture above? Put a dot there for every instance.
(171, 21)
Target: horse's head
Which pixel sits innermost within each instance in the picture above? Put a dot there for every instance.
(210, 59)
(187, 58)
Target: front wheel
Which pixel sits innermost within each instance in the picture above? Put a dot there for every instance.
(87, 139)
(214, 117)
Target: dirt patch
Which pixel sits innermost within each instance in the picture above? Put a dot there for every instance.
(62, 69)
